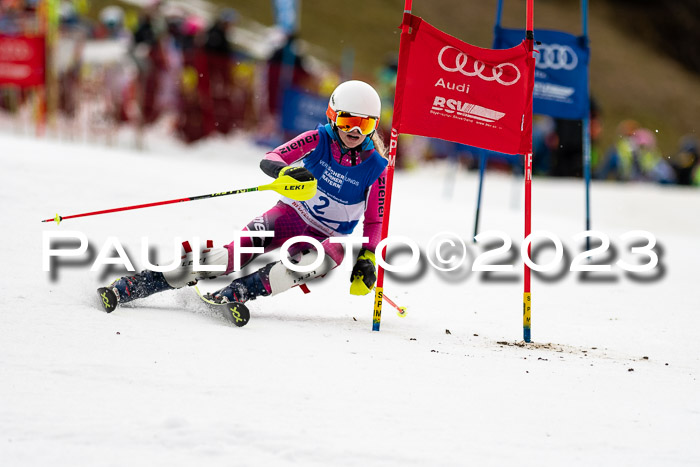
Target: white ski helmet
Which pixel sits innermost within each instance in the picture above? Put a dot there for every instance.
(354, 97)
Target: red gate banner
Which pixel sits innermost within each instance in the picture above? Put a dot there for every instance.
(22, 60)
(459, 92)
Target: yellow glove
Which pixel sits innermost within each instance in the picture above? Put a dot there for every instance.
(364, 273)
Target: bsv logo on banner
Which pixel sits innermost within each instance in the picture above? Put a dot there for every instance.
(460, 63)
(465, 109)
(556, 57)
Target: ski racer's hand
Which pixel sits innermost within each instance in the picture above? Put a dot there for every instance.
(276, 169)
(300, 174)
(364, 273)
(272, 168)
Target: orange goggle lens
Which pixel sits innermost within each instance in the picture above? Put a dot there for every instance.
(348, 122)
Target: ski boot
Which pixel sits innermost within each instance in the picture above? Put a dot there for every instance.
(233, 296)
(241, 290)
(128, 288)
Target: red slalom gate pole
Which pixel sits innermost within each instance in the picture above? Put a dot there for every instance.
(393, 144)
(527, 298)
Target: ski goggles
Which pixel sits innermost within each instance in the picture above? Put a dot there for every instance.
(347, 122)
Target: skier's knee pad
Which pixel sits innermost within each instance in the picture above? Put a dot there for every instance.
(282, 278)
(185, 273)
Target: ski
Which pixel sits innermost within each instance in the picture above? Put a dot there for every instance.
(236, 312)
(108, 299)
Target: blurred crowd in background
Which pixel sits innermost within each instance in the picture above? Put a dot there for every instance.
(203, 75)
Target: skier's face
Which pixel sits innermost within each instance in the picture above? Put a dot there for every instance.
(351, 139)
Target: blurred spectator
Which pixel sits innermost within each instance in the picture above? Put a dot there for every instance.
(217, 35)
(544, 141)
(651, 164)
(596, 132)
(191, 37)
(149, 51)
(196, 116)
(10, 17)
(68, 58)
(111, 25)
(566, 157)
(67, 14)
(246, 81)
(636, 157)
(227, 103)
(566, 150)
(685, 162)
(168, 94)
(149, 26)
(285, 69)
(618, 161)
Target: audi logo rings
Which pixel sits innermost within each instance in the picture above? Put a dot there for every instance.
(461, 60)
(556, 57)
(15, 51)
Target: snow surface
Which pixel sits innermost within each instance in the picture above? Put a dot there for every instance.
(610, 378)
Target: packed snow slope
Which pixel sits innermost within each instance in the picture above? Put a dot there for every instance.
(611, 377)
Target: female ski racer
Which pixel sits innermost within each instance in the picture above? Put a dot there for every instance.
(345, 156)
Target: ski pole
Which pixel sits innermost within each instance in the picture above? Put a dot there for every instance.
(284, 185)
(400, 310)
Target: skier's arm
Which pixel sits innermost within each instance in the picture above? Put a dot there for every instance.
(289, 153)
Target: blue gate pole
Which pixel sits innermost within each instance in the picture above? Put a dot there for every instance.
(587, 132)
(499, 11)
(482, 168)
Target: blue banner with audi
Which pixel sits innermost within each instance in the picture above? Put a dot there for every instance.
(561, 73)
